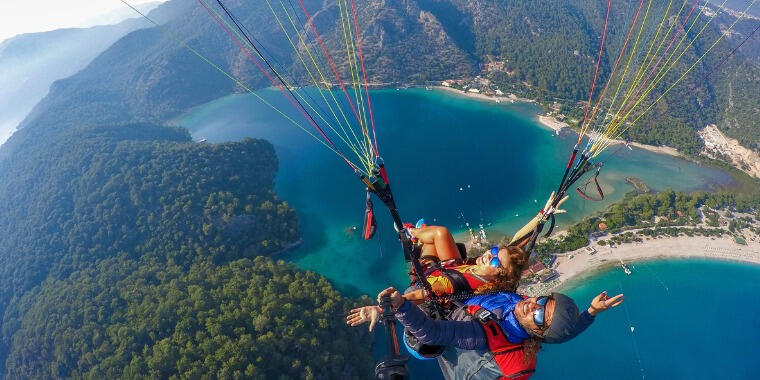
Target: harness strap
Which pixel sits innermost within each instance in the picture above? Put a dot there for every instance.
(369, 227)
(458, 281)
(503, 350)
(497, 341)
(598, 188)
(551, 226)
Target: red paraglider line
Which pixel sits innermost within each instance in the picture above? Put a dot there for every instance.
(617, 61)
(279, 87)
(364, 75)
(596, 71)
(329, 60)
(656, 65)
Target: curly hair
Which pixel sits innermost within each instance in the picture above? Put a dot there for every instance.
(531, 346)
(509, 274)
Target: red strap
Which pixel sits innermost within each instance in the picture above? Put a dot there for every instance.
(370, 224)
(598, 189)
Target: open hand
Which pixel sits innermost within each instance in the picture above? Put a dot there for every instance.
(364, 314)
(603, 302)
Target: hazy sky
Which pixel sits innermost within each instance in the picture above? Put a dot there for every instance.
(24, 16)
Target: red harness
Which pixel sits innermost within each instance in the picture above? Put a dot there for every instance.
(508, 356)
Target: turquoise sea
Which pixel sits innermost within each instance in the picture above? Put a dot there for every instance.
(451, 160)
(691, 319)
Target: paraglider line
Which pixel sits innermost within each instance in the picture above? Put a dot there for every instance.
(364, 75)
(182, 43)
(290, 98)
(329, 60)
(596, 71)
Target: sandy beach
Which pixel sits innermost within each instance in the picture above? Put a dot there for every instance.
(511, 98)
(740, 157)
(552, 123)
(583, 263)
(659, 149)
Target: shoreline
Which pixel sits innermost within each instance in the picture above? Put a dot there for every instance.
(583, 265)
(557, 126)
(511, 98)
(551, 122)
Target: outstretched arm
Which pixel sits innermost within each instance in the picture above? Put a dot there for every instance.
(599, 304)
(522, 237)
(467, 335)
(603, 302)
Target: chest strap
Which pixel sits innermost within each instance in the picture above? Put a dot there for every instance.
(458, 281)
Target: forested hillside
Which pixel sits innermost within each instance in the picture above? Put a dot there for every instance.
(551, 47)
(246, 319)
(101, 226)
(129, 250)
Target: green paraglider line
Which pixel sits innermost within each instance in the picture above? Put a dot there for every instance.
(244, 38)
(232, 78)
(281, 86)
(596, 71)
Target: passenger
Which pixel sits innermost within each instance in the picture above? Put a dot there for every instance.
(448, 272)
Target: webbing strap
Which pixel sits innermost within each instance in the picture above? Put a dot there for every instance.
(458, 281)
(370, 224)
(598, 189)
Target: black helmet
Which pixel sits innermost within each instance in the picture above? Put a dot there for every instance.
(564, 320)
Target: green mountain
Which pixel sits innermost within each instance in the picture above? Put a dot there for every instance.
(105, 213)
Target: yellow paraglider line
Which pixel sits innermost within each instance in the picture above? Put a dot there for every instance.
(243, 40)
(636, 79)
(354, 66)
(622, 50)
(618, 120)
(599, 131)
(691, 67)
(182, 43)
(615, 130)
(365, 151)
